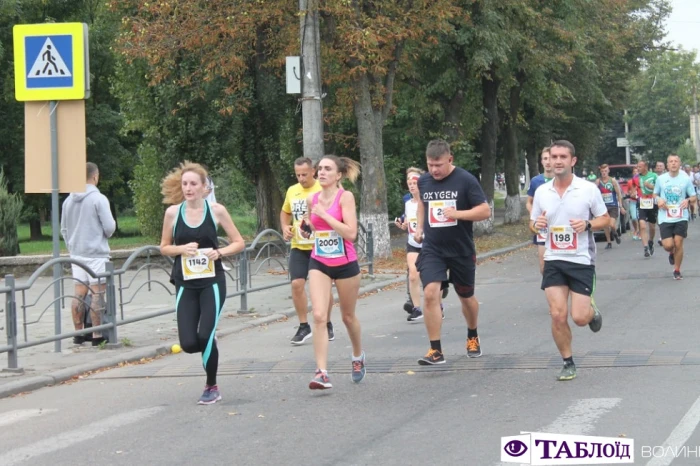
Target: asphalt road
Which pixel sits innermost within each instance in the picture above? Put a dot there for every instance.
(638, 378)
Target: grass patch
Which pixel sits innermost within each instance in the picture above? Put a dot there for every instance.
(129, 236)
(503, 236)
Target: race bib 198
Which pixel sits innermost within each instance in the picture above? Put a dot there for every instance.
(197, 266)
(436, 213)
(563, 240)
(329, 244)
(646, 203)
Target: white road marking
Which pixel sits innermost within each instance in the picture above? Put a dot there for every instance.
(679, 435)
(578, 419)
(68, 439)
(11, 417)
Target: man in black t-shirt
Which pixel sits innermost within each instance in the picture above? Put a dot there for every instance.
(452, 199)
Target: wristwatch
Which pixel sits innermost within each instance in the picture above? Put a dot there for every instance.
(588, 225)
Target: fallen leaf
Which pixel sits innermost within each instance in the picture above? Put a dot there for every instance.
(410, 373)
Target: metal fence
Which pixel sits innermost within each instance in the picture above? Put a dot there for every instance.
(243, 276)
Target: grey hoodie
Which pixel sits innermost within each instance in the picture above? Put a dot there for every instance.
(86, 223)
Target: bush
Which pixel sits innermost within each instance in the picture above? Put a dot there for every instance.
(10, 212)
(147, 197)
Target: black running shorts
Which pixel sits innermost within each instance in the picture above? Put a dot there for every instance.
(648, 215)
(339, 272)
(299, 263)
(669, 230)
(411, 248)
(434, 268)
(579, 278)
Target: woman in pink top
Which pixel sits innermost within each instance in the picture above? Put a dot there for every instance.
(333, 220)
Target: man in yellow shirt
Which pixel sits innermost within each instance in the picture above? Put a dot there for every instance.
(291, 216)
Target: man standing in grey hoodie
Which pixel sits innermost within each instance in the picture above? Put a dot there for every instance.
(86, 223)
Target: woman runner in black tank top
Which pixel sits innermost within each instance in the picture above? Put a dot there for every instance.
(190, 237)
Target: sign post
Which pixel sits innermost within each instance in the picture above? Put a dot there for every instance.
(52, 64)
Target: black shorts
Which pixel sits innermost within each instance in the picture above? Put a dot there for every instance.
(579, 278)
(339, 272)
(411, 248)
(669, 230)
(433, 268)
(536, 241)
(299, 264)
(648, 215)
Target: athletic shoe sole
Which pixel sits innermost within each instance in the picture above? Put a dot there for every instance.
(313, 385)
(425, 362)
(299, 343)
(209, 402)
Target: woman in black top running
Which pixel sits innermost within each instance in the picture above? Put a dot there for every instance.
(190, 236)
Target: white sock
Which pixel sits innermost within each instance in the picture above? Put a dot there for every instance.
(358, 358)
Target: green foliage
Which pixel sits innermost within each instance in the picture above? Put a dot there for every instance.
(10, 211)
(686, 152)
(146, 187)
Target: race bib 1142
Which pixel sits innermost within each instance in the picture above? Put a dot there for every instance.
(197, 266)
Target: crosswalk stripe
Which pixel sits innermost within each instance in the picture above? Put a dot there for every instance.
(679, 435)
(11, 417)
(67, 439)
(578, 419)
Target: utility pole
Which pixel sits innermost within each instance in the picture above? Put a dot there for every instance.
(696, 131)
(627, 136)
(311, 104)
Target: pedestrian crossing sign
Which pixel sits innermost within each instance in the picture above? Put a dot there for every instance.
(51, 61)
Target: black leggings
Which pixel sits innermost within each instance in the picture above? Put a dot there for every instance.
(198, 311)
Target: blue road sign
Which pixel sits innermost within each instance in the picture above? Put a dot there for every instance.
(49, 61)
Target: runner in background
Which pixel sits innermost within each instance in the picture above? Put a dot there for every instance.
(540, 236)
(633, 194)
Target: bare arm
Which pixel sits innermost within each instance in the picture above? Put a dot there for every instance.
(420, 218)
(286, 225)
(528, 204)
(348, 227)
(619, 195)
(475, 214)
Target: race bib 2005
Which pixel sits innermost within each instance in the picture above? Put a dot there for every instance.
(197, 266)
(329, 244)
(563, 240)
(436, 213)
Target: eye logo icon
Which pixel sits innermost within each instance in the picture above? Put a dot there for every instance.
(515, 448)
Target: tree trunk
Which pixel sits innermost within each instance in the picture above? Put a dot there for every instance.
(489, 141)
(35, 229)
(268, 198)
(453, 113)
(511, 165)
(373, 203)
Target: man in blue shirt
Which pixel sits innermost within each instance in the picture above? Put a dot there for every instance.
(540, 237)
(674, 192)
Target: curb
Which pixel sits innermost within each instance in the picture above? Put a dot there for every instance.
(56, 377)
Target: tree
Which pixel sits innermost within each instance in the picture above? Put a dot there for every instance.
(10, 212)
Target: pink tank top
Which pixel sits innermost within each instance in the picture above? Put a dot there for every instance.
(329, 247)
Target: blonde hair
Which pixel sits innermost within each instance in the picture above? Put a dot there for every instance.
(415, 170)
(171, 186)
(347, 167)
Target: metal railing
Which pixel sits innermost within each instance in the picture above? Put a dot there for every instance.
(243, 276)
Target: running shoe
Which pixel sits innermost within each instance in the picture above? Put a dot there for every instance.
(659, 241)
(677, 275)
(597, 321)
(358, 369)
(568, 372)
(646, 252)
(618, 240)
(303, 334)
(320, 381)
(473, 347)
(651, 247)
(416, 315)
(331, 333)
(445, 286)
(671, 260)
(433, 357)
(210, 396)
(408, 306)
(609, 246)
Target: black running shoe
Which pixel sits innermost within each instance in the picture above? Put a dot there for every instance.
(659, 241)
(416, 315)
(433, 357)
(677, 275)
(618, 240)
(671, 260)
(609, 246)
(651, 247)
(331, 333)
(303, 334)
(646, 252)
(99, 341)
(408, 306)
